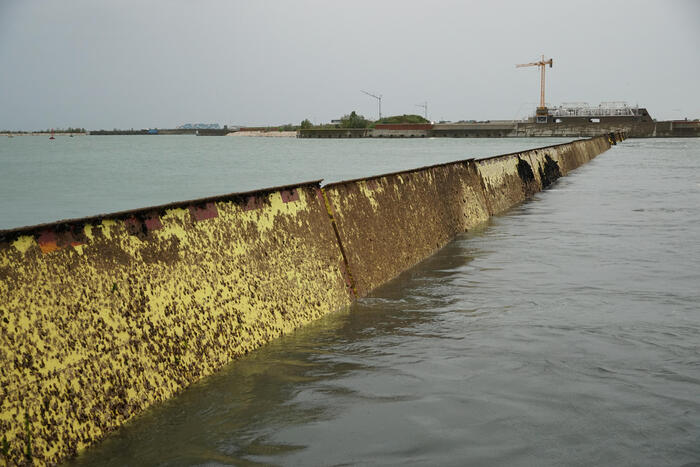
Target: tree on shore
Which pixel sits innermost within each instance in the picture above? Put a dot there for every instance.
(70, 129)
(354, 121)
(402, 119)
(306, 124)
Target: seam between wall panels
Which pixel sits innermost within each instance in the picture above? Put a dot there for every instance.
(334, 224)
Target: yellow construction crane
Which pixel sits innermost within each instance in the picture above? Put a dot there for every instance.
(542, 110)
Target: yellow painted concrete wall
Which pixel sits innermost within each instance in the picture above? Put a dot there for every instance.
(389, 223)
(505, 185)
(102, 317)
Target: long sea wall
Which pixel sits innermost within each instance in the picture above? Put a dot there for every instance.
(513, 129)
(102, 317)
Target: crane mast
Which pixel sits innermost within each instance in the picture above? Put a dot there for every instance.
(424, 106)
(379, 99)
(541, 112)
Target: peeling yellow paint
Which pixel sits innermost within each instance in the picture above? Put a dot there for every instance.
(87, 230)
(147, 311)
(23, 243)
(369, 193)
(106, 226)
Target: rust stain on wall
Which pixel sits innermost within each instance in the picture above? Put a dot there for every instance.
(204, 211)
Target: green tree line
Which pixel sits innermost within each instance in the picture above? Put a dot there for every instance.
(355, 120)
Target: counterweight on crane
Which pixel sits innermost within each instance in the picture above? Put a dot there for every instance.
(541, 113)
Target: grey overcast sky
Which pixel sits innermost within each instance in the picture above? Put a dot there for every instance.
(123, 64)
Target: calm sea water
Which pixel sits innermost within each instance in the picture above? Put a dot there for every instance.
(44, 181)
(565, 332)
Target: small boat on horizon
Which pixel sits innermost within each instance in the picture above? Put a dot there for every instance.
(52, 137)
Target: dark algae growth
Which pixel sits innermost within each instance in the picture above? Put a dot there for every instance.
(525, 171)
(527, 176)
(550, 172)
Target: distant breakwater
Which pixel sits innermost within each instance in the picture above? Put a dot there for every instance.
(509, 129)
(102, 317)
(492, 129)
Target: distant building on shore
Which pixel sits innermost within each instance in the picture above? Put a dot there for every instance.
(199, 126)
(583, 113)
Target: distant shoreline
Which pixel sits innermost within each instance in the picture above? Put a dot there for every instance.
(265, 134)
(23, 133)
